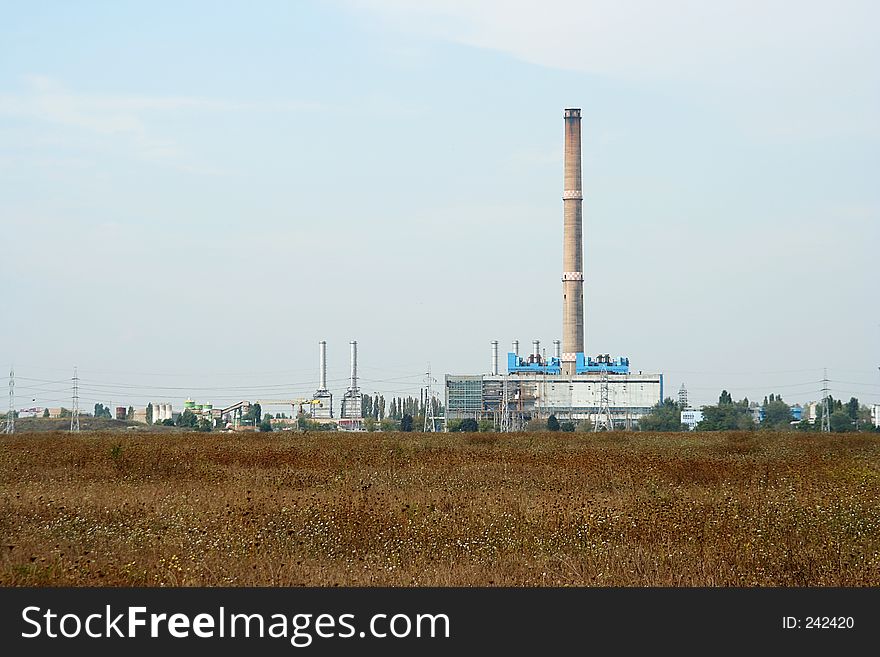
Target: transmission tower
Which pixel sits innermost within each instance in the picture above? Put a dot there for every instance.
(74, 413)
(826, 407)
(10, 415)
(604, 411)
(505, 411)
(429, 401)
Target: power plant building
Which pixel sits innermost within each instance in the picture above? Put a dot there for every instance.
(569, 384)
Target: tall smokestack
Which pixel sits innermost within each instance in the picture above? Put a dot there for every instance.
(557, 349)
(354, 365)
(572, 247)
(494, 357)
(536, 347)
(322, 352)
(516, 347)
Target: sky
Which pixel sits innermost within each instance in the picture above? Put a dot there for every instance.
(193, 194)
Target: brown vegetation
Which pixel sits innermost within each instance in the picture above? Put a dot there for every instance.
(741, 509)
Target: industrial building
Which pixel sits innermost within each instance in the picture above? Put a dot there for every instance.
(569, 384)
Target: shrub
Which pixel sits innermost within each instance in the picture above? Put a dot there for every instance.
(469, 424)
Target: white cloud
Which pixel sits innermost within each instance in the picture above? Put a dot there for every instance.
(784, 67)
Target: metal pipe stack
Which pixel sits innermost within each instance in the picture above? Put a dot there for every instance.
(322, 355)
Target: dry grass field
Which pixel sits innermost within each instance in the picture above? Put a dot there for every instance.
(735, 509)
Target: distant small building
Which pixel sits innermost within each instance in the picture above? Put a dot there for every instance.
(55, 413)
(691, 418)
(875, 415)
(140, 415)
(757, 412)
(812, 412)
(797, 412)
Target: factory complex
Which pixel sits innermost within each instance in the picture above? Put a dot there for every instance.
(570, 384)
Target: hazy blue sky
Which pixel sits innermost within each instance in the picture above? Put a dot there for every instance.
(192, 194)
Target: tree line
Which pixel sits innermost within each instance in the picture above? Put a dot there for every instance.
(774, 413)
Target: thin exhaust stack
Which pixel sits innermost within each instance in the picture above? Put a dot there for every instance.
(354, 365)
(322, 354)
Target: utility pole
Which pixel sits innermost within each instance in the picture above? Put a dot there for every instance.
(10, 414)
(74, 413)
(826, 407)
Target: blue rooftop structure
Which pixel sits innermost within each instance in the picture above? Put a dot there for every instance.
(533, 364)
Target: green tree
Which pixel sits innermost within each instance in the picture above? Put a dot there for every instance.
(485, 425)
(804, 425)
(864, 421)
(406, 422)
(552, 423)
(468, 425)
(187, 419)
(129, 414)
(265, 425)
(852, 409)
(370, 423)
(205, 425)
(567, 426)
(45, 412)
(664, 416)
(841, 421)
(727, 415)
(777, 414)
